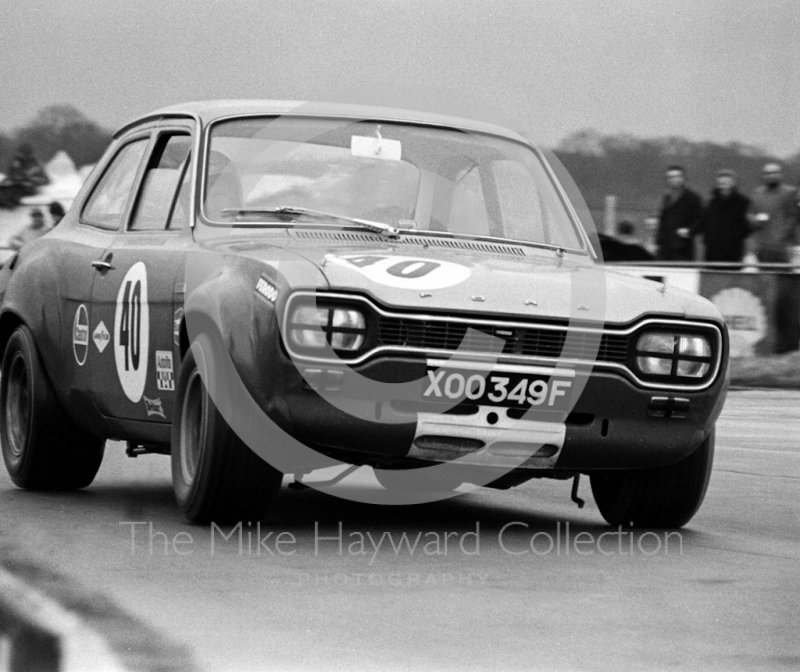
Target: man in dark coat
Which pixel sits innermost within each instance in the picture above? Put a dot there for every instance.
(680, 214)
(724, 224)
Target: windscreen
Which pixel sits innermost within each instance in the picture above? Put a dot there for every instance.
(412, 177)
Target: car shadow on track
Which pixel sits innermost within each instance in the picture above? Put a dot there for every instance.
(306, 512)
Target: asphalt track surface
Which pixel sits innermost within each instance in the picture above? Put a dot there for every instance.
(721, 595)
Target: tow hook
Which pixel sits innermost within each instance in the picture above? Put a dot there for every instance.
(298, 484)
(135, 449)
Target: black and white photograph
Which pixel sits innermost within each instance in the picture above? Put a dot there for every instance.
(405, 335)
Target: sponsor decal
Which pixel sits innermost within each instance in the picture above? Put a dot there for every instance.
(132, 332)
(267, 290)
(176, 326)
(165, 378)
(80, 335)
(745, 316)
(154, 407)
(101, 337)
(404, 272)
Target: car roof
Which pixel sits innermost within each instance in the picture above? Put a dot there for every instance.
(209, 110)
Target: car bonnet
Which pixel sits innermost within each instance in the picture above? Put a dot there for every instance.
(530, 283)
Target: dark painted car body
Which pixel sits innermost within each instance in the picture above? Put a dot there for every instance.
(113, 355)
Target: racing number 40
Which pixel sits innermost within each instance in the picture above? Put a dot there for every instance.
(130, 329)
(408, 268)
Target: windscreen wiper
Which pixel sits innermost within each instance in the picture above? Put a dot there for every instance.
(291, 211)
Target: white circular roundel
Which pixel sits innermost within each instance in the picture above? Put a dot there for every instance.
(745, 316)
(132, 332)
(405, 272)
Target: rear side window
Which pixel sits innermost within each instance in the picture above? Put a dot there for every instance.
(106, 205)
(160, 184)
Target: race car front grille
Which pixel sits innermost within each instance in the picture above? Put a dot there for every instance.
(531, 341)
(515, 343)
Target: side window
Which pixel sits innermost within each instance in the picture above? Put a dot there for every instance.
(106, 205)
(160, 183)
(180, 213)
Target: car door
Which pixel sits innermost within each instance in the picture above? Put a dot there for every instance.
(134, 294)
(79, 256)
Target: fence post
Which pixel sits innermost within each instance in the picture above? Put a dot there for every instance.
(610, 216)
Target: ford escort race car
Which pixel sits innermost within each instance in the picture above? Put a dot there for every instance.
(263, 287)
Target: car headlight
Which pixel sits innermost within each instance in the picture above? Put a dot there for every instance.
(341, 328)
(677, 355)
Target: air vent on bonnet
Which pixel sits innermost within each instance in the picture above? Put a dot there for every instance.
(423, 241)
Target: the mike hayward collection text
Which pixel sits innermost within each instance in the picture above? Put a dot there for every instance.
(515, 538)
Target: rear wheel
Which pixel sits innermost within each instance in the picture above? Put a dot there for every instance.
(667, 497)
(215, 475)
(42, 447)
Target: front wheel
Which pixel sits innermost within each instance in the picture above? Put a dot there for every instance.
(215, 475)
(42, 447)
(667, 497)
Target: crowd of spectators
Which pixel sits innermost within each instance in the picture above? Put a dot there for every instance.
(729, 226)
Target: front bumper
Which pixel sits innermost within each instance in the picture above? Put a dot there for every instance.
(613, 424)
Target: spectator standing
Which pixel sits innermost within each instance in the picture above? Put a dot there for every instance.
(724, 225)
(56, 212)
(775, 217)
(681, 209)
(35, 230)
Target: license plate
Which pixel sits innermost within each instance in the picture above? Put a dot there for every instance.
(498, 388)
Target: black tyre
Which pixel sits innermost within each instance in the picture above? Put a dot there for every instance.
(415, 480)
(667, 497)
(215, 475)
(42, 447)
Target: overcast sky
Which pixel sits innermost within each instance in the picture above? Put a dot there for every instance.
(706, 69)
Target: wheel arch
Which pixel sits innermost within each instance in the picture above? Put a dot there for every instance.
(183, 339)
(9, 321)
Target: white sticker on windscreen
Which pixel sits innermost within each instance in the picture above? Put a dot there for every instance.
(376, 148)
(404, 272)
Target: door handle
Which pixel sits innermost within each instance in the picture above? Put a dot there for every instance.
(103, 264)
